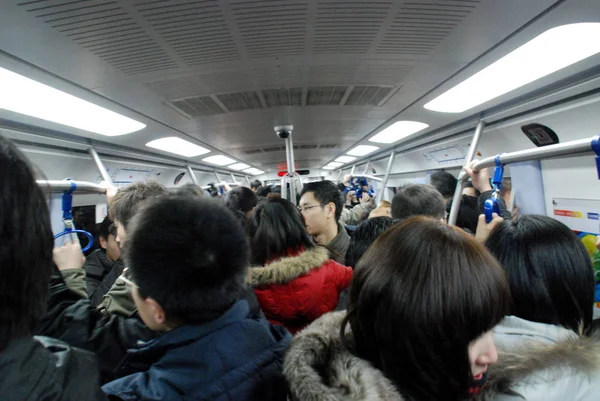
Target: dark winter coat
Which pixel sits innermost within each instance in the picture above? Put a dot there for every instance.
(293, 291)
(44, 369)
(234, 357)
(536, 362)
(78, 323)
(100, 274)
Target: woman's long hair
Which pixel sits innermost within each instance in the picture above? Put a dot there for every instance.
(549, 271)
(276, 228)
(25, 248)
(420, 295)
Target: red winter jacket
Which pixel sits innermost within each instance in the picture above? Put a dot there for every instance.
(293, 291)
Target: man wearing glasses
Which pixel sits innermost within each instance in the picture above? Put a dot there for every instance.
(321, 205)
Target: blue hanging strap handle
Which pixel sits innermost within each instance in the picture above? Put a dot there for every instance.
(491, 205)
(596, 148)
(67, 202)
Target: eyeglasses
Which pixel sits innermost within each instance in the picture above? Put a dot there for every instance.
(306, 208)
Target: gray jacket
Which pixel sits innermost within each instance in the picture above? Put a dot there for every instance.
(543, 362)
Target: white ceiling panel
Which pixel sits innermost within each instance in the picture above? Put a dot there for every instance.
(223, 72)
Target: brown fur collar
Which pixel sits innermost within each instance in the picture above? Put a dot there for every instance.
(318, 367)
(577, 355)
(286, 269)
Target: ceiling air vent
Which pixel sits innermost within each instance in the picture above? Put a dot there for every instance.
(285, 97)
(420, 26)
(282, 148)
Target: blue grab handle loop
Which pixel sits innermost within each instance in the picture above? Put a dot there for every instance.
(596, 148)
(67, 203)
(491, 205)
(69, 230)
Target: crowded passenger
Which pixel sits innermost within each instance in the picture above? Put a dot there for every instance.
(360, 201)
(242, 202)
(468, 211)
(547, 350)
(114, 327)
(188, 271)
(418, 200)
(295, 281)
(190, 189)
(122, 208)
(445, 183)
(383, 209)
(481, 182)
(365, 234)
(32, 368)
(103, 266)
(321, 204)
(422, 306)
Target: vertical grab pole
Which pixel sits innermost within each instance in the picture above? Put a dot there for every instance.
(100, 165)
(192, 175)
(352, 171)
(289, 152)
(461, 176)
(367, 167)
(233, 178)
(339, 178)
(218, 177)
(388, 170)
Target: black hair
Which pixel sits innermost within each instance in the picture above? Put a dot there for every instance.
(264, 191)
(26, 247)
(326, 192)
(365, 234)
(444, 182)
(242, 199)
(255, 184)
(420, 295)
(469, 184)
(275, 228)
(104, 228)
(418, 200)
(190, 189)
(190, 255)
(549, 271)
(468, 213)
(128, 200)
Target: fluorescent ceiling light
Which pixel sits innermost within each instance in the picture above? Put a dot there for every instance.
(254, 171)
(335, 164)
(398, 130)
(173, 144)
(219, 160)
(345, 159)
(362, 150)
(26, 96)
(328, 167)
(239, 166)
(551, 51)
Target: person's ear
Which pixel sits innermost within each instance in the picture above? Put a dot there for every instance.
(103, 242)
(157, 312)
(330, 209)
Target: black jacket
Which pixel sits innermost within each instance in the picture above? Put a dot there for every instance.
(501, 204)
(100, 274)
(78, 323)
(44, 369)
(233, 357)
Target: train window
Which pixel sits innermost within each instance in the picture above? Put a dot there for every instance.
(540, 135)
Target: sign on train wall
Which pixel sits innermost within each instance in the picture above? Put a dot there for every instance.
(578, 214)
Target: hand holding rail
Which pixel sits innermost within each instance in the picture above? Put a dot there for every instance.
(67, 202)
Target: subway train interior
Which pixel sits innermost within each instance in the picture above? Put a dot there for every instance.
(372, 95)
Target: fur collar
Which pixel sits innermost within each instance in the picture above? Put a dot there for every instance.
(286, 269)
(318, 367)
(571, 355)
